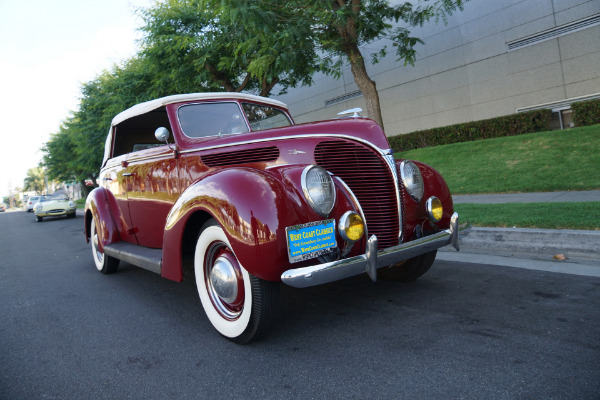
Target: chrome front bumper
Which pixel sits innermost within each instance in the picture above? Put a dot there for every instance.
(373, 259)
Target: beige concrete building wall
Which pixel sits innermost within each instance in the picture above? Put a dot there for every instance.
(465, 71)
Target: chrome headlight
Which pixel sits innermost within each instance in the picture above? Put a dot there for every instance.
(71, 204)
(412, 179)
(318, 189)
(434, 208)
(351, 227)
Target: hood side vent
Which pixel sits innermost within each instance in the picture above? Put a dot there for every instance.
(263, 154)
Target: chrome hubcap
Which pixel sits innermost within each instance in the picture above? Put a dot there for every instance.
(223, 280)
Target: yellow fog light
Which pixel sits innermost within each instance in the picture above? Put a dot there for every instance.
(434, 209)
(351, 227)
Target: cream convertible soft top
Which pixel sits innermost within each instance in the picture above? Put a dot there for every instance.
(148, 106)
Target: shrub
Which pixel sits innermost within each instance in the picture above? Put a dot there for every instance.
(586, 112)
(510, 125)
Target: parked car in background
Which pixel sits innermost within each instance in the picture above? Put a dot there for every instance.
(54, 205)
(2, 208)
(229, 182)
(31, 202)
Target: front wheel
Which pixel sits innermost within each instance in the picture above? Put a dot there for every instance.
(409, 270)
(38, 219)
(239, 305)
(105, 264)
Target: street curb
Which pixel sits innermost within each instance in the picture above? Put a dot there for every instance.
(534, 243)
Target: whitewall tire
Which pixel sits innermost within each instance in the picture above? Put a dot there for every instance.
(104, 263)
(240, 306)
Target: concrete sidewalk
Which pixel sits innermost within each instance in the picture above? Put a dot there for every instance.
(541, 197)
(581, 247)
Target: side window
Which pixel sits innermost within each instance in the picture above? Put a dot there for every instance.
(211, 119)
(264, 117)
(137, 133)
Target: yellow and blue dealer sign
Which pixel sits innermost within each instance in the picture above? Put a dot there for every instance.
(310, 240)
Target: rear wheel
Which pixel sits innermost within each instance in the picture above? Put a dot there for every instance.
(409, 270)
(105, 264)
(239, 305)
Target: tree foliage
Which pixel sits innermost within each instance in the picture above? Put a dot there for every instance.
(204, 45)
(237, 45)
(75, 151)
(34, 180)
(338, 28)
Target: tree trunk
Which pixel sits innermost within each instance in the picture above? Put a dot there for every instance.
(366, 85)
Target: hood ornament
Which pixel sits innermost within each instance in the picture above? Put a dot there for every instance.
(296, 152)
(354, 111)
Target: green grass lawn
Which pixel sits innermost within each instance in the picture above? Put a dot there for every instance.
(536, 162)
(533, 215)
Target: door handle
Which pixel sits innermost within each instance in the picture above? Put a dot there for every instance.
(127, 174)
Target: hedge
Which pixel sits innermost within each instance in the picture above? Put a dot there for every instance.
(510, 125)
(586, 112)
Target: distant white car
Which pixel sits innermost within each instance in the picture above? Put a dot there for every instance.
(54, 205)
(31, 202)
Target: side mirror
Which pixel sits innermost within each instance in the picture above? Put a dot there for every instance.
(162, 134)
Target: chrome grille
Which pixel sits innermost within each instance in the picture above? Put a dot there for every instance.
(369, 177)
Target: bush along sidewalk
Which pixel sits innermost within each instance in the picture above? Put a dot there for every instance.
(510, 125)
(586, 112)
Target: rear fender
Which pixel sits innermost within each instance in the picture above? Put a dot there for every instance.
(99, 206)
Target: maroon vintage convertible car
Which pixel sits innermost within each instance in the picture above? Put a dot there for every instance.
(228, 182)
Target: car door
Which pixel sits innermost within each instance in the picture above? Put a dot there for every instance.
(152, 189)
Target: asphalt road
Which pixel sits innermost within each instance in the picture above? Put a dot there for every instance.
(463, 331)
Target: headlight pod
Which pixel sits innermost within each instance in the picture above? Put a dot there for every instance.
(38, 207)
(412, 179)
(351, 227)
(318, 189)
(434, 208)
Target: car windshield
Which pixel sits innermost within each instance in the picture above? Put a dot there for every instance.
(264, 117)
(226, 118)
(211, 119)
(53, 197)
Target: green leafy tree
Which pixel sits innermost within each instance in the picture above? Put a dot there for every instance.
(34, 180)
(75, 152)
(202, 45)
(340, 27)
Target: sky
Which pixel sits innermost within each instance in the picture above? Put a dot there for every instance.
(48, 49)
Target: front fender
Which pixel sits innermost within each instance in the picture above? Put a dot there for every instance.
(98, 207)
(415, 213)
(252, 206)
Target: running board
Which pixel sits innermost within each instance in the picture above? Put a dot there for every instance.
(143, 257)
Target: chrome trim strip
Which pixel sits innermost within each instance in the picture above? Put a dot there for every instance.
(308, 135)
(388, 156)
(149, 158)
(354, 201)
(340, 269)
